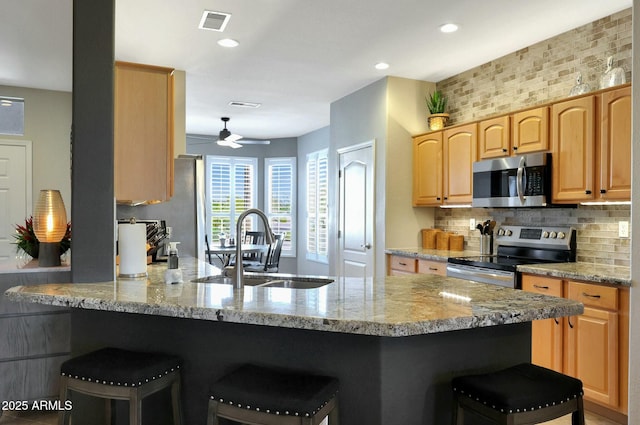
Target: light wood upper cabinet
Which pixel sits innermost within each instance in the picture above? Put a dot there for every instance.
(143, 133)
(573, 138)
(494, 137)
(460, 152)
(614, 149)
(427, 169)
(530, 130)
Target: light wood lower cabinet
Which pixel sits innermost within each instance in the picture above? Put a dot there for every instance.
(593, 346)
(546, 335)
(398, 265)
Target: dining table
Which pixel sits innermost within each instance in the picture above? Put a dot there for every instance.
(227, 253)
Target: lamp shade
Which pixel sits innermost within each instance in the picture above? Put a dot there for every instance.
(50, 217)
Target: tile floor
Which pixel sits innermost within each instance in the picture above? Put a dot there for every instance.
(51, 418)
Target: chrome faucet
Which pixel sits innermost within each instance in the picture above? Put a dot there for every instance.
(237, 272)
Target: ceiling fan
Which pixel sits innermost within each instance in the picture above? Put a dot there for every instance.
(227, 139)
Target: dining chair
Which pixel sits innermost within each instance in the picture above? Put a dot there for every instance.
(253, 238)
(271, 261)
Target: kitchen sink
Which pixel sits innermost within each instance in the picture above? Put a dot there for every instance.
(305, 283)
(248, 280)
(291, 282)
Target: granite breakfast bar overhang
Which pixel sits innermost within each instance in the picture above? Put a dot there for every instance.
(394, 343)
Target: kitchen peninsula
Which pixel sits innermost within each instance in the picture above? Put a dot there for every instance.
(394, 343)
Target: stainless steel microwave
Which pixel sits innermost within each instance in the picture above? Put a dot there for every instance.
(515, 181)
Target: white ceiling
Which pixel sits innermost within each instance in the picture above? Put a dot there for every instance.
(295, 56)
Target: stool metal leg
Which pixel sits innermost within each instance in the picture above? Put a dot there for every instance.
(63, 415)
(175, 402)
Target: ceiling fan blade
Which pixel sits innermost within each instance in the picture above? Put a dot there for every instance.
(229, 143)
(233, 138)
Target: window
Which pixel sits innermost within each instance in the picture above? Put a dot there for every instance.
(11, 116)
(280, 195)
(231, 189)
(317, 206)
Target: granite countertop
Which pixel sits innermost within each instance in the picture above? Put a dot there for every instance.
(391, 306)
(597, 273)
(588, 272)
(429, 254)
(25, 264)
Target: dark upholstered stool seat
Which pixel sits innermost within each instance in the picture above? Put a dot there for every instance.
(524, 390)
(117, 374)
(262, 392)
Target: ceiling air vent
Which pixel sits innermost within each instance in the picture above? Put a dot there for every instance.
(214, 21)
(239, 104)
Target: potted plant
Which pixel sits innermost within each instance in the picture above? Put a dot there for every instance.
(437, 104)
(27, 241)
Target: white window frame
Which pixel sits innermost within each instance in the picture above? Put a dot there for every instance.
(313, 160)
(289, 248)
(232, 161)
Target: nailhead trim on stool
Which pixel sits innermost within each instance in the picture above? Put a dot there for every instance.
(275, 392)
(519, 389)
(116, 374)
(114, 366)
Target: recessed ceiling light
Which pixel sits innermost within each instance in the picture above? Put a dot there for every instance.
(228, 42)
(382, 65)
(447, 28)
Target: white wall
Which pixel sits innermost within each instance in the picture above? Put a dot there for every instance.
(48, 126)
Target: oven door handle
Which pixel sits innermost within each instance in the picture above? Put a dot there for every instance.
(498, 277)
(521, 180)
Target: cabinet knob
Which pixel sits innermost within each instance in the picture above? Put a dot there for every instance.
(588, 192)
(504, 150)
(515, 148)
(603, 190)
(438, 198)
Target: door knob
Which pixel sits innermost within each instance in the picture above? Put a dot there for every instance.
(366, 246)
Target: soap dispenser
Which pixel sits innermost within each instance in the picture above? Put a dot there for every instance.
(173, 274)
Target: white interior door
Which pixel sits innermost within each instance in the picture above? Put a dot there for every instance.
(15, 191)
(356, 251)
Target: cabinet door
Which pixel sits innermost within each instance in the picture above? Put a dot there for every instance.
(592, 342)
(494, 137)
(615, 146)
(143, 133)
(432, 267)
(546, 335)
(530, 130)
(573, 135)
(399, 265)
(460, 152)
(427, 169)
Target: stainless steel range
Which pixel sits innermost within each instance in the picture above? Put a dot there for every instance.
(516, 245)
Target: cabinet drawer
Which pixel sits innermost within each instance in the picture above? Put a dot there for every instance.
(402, 263)
(542, 285)
(432, 267)
(594, 295)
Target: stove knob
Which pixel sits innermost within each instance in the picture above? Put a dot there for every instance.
(561, 235)
(500, 232)
(508, 232)
(545, 234)
(553, 235)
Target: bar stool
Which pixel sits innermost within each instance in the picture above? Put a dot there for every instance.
(259, 395)
(522, 394)
(116, 374)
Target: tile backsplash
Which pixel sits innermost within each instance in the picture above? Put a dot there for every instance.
(542, 73)
(596, 227)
